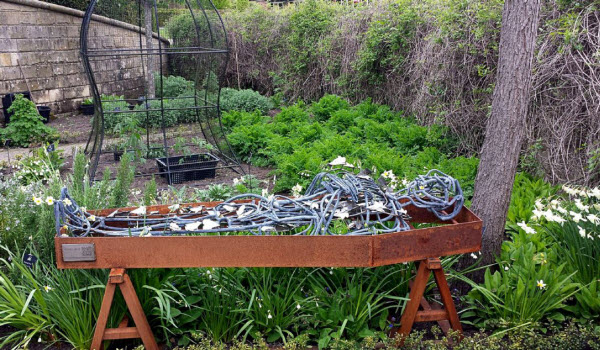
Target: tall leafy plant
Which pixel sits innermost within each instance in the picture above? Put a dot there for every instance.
(26, 125)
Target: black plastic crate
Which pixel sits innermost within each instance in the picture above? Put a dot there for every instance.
(188, 168)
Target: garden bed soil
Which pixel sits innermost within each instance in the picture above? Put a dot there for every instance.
(74, 129)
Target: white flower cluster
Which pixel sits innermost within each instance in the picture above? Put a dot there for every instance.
(583, 209)
(393, 181)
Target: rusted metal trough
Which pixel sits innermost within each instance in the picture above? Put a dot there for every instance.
(425, 245)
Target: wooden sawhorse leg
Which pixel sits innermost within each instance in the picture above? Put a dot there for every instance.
(447, 316)
(142, 328)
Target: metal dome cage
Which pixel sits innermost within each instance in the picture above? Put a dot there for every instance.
(170, 85)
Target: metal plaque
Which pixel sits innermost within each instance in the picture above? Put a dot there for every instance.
(79, 252)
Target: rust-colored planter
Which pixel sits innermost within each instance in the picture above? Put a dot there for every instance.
(461, 235)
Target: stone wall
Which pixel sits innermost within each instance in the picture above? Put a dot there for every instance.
(39, 47)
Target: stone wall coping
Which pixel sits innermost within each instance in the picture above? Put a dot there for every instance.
(77, 13)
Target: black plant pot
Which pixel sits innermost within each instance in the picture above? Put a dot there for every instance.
(117, 155)
(44, 111)
(87, 109)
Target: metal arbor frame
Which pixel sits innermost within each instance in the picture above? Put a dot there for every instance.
(200, 54)
(426, 245)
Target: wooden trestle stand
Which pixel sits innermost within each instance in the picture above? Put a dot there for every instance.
(460, 235)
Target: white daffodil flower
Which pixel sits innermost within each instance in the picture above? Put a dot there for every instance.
(556, 218)
(139, 211)
(193, 226)
(541, 284)
(537, 214)
(173, 226)
(582, 206)
(576, 216)
(92, 218)
(538, 204)
(296, 190)
(47, 288)
(67, 201)
(526, 228)
(582, 232)
(568, 190)
(37, 200)
(594, 219)
(49, 200)
(595, 192)
(208, 224)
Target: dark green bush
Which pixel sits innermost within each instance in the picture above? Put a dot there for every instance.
(112, 108)
(244, 100)
(26, 125)
(173, 86)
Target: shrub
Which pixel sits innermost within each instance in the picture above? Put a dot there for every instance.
(244, 100)
(173, 86)
(112, 109)
(26, 125)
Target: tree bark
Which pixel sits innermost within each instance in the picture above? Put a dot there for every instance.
(505, 128)
(150, 93)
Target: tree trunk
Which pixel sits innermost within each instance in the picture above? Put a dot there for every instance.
(505, 128)
(150, 93)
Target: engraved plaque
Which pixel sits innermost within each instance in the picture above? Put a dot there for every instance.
(79, 252)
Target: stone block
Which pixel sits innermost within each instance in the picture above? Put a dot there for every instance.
(46, 96)
(5, 60)
(13, 86)
(57, 32)
(42, 83)
(76, 92)
(32, 58)
(10, 73)
(16, 32)
(28, 45)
